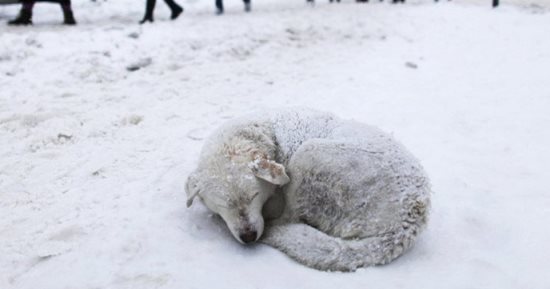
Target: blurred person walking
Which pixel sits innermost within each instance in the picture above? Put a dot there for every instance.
(150, 8)
(25, 15)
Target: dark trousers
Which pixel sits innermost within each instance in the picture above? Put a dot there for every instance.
(29, 4)
(219, 4)
(150, 7)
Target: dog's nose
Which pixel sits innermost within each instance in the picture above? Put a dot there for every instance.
(248, 236)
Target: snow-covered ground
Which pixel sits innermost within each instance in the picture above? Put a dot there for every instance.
(93, 157)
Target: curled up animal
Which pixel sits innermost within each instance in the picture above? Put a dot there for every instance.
(332, 194)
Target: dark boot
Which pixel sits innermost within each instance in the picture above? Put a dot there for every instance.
(149, 8)
(68, 17)
(24, 18)
(146, 19)
(175, 8)
(219, 7)
(176, 12)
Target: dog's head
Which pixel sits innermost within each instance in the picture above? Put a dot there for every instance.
(237, 192)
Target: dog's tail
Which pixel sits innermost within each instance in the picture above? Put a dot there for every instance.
(321, 251)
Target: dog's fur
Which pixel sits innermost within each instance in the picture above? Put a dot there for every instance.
(335, 194)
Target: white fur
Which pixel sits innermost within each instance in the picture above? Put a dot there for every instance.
(336, 194)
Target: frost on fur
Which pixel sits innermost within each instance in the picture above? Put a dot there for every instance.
(269, 170)
(353, 196)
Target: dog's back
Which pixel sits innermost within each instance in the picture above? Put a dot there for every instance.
(364, 193)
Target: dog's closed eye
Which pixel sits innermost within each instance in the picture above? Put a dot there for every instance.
(242, 200)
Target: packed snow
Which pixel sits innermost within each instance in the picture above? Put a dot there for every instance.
(101, 123)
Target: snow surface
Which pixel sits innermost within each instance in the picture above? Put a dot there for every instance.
(93, 157)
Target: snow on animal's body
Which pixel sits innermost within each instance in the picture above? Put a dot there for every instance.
(336, 194)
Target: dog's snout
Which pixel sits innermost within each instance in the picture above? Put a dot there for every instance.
(248, 236)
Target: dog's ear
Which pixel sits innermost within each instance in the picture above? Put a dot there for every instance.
(191, 188)
(270, 171)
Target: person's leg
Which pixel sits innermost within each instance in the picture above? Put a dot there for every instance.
(25, 15)
(68, 17)
(176, 9)
(247, 7)
(219, 7)
(149, 8)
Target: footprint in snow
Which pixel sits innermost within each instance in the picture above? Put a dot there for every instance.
(196, 134)
(139, 64)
